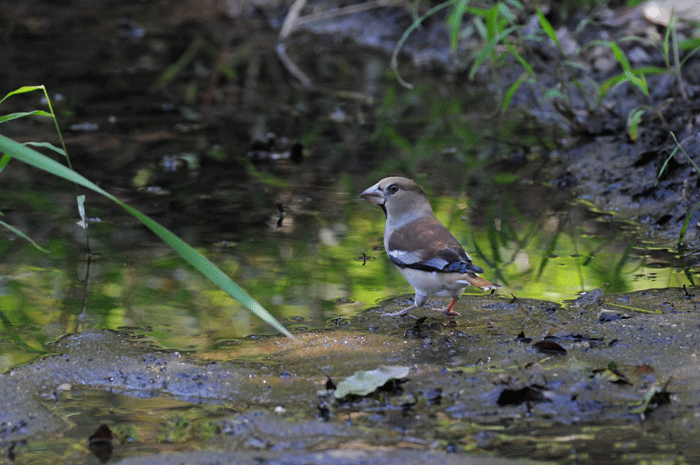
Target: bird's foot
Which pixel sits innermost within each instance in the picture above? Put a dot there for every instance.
(403, 312)
(448, 310)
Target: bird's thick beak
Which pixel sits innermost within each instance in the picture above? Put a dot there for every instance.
(373, 195)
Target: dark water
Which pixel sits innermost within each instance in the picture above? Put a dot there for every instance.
(315, 268)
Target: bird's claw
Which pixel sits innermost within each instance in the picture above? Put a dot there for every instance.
(447, 311)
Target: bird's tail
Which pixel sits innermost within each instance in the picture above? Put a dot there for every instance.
(479, 282)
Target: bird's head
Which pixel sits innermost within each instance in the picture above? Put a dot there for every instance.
(398, 197)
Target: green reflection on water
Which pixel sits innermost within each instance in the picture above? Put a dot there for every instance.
(308, 272)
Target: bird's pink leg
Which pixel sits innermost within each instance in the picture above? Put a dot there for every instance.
(448, 310)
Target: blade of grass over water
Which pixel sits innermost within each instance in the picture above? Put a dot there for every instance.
(22, 90)
(11, 116)
(395, 54)
(22, 235)
(681, 236)
(201, 263)
(4, 161)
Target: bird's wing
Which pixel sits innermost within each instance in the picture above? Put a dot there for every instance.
(425, 244)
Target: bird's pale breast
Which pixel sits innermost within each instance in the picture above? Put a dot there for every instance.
(435, 283)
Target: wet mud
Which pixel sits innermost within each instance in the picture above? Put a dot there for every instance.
(517, 378)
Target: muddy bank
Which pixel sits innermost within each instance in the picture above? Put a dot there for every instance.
(621, 178)
(512, 378)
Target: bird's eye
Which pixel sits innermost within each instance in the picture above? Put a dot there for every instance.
(393, 188)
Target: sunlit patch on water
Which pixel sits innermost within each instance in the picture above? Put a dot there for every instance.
(313, 275)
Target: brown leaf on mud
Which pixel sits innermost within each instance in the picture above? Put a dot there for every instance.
(519, 396)
(549, 347)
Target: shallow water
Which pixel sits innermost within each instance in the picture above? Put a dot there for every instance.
(323, 264)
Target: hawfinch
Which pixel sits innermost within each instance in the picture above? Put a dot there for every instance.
(427, 255)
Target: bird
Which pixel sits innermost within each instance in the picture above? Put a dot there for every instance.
(424, 251)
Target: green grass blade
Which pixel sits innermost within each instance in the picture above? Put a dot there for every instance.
(176, 68)
(679, 146)
(4, 161)
(516, 4)
(633, 120)
(681, 236)
(611, 83)
(646, 70)
(663, 167)
(22, 90)
(549, 30)
(47, 145)
(206, 267)
(520, 59)
(511, 91)
(639, 82)
(488, 51)
(22, 235)
(620, 56)
(454, 21)
(11, 116)
(553, 93)
(667, 42)
(394, 61)
(491, 22)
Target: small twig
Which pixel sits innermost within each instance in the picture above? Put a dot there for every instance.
(635, 309)
(676, 58)
(291, 66)
(348, 94)
(308, 84)
(346, 10)
(291, 19)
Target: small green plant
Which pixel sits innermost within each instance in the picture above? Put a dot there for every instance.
(684, 228)
(636, 77)
(11, 149)
(670, 50)
(504, 42)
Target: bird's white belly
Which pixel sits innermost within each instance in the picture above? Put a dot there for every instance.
(434, 283)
